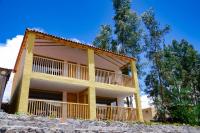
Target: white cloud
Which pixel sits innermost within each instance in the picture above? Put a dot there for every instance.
(8, 54)
(9, 51)
(75, 40)
(145, 101)
(79, 41)
(38, 29)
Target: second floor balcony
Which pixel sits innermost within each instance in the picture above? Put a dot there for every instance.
(73, 70)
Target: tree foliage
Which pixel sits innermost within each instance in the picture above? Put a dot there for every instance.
(181, 65)
(104, 39)
(127, 28)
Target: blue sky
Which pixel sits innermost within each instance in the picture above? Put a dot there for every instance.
(81, 18)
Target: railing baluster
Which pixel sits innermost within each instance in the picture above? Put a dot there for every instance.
(109, 77)
(115, 113)
(50, 108)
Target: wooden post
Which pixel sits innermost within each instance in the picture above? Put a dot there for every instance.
(24, 90)
(64, 106)
(91, 89)
(137, 91)
(77, 96)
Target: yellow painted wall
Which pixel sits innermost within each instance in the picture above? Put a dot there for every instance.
(23, 92)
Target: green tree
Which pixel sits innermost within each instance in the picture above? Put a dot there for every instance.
(181, 64)
(154, 42)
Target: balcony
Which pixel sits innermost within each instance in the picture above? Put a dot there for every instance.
(59, 68)
(77, 71)
(58, 109)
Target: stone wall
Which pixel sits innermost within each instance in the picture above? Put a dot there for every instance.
(23, 124)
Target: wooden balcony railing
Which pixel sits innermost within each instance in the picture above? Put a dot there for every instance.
(72, 70)
(115, 113)
(57, 109)
(109, 77)
(59, 68)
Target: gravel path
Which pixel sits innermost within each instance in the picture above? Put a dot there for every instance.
(23, 124)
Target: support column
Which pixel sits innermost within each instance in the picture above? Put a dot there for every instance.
(64, 106)
(27, 70)
(91, 89)
(137, 91)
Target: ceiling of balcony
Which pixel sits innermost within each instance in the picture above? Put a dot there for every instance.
(69, 53)
(55, 86)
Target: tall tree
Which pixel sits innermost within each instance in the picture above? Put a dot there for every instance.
(154, 42)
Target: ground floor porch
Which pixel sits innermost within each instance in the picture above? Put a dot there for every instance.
(65, 104)
(58, 109)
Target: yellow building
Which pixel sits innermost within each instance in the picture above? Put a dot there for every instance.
(61, 78)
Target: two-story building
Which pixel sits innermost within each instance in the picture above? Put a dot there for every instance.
(60, 78)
